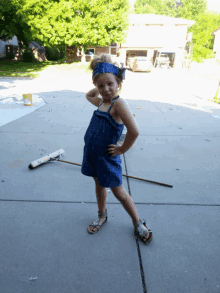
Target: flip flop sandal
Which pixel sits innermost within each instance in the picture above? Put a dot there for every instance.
(96, 223)
(141, 232)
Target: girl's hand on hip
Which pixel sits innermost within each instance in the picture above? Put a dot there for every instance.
(114, 150)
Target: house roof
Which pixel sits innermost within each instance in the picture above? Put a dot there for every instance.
(158, 19)
(213, 33)
(39, 47)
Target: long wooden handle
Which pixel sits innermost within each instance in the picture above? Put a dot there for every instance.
(167, 185)
(149, 181)
(69, 162)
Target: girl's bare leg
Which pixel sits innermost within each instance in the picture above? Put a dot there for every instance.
(101, 195)
(127, 202)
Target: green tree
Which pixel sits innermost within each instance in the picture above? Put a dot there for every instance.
(191, 9)
(76, 22)
(188, 9)
(13, 24)
(55, 23)
(159, 7)
(202, 39)
(201, 30)
(146, 7)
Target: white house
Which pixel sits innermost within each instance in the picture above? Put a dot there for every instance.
(13, 41)
(148, 34)
(38, 51)
(216, 47)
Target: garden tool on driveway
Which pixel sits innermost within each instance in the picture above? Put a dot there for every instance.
(55, 156)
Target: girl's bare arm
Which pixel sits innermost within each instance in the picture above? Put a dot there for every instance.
(92, 97)
(93, 93)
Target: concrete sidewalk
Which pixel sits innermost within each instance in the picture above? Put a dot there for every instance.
(45, 212)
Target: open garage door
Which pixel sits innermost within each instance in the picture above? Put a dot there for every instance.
(134, 53)
(164, 53)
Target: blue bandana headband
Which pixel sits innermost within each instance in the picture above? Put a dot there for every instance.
(104, 67)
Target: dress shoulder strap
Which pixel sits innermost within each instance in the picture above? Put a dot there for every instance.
(100, 104)
(112, 103)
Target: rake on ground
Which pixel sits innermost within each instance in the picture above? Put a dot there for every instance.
(55, 156)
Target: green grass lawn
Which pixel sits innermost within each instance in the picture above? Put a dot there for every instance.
(216, 99)
(29, 69)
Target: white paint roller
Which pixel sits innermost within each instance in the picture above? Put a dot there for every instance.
(45, 159)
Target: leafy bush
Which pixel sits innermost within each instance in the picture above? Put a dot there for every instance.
(55, 53)
(203, 40)
(200, 53)
(28, 55)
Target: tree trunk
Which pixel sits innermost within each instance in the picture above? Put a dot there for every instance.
(71, 54)
(83, 56)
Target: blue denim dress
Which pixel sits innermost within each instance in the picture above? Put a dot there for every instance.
(102, 131)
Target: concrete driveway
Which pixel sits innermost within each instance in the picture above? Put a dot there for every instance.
(45, 212)
(172, 86)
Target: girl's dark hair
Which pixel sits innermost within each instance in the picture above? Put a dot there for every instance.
(105, 58)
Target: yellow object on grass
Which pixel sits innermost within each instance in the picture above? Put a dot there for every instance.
(28, 99)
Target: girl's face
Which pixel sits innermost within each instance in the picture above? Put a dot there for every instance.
(107, 86)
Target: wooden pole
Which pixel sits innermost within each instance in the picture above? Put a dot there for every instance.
(167, 185)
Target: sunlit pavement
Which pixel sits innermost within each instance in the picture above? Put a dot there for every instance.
(45, 212)
(171, 86)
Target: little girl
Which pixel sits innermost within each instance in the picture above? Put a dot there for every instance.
(101, 159)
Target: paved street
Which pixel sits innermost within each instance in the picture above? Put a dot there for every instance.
(45, 212)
